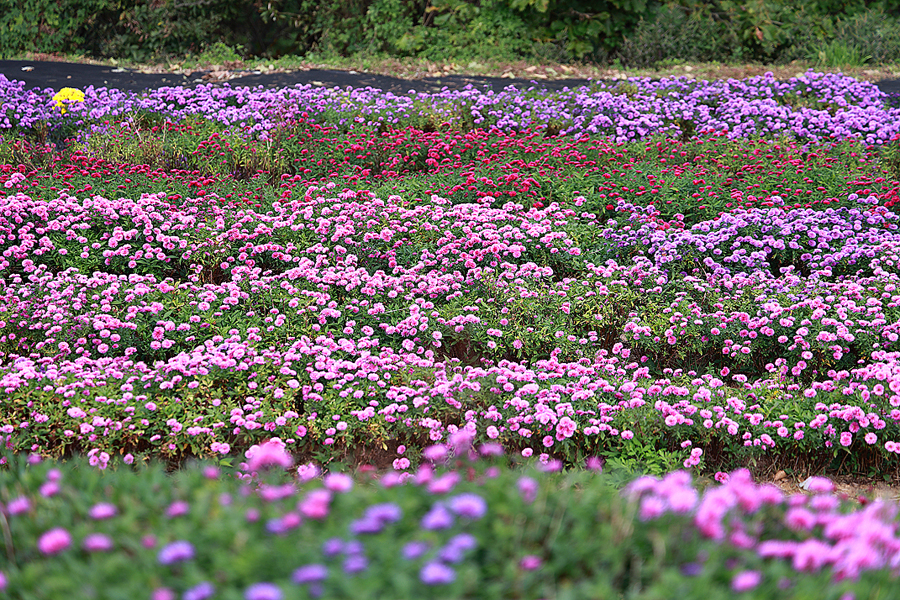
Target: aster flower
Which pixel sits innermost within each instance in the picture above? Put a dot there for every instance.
(435, 573)
(54, 541)
(263, 591)
(97, 542)
(176, 552)
(470, 506)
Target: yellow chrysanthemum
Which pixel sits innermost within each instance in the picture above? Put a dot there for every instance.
(66, 96)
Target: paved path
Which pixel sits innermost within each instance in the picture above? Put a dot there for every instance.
(60, 74)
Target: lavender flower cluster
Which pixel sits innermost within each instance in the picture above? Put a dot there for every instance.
(812, 107)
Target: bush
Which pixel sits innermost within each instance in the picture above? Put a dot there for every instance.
(874, 33)
(678, 34)
(48, 25)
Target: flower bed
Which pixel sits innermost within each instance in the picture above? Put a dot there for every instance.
(297, 267)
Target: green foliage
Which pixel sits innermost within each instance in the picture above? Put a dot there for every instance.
(637, 32)
(587, 29)
(584, 537)
(679, 34)
(873, 33)
(48, 25)
(768, 30)
(836, 53)
(144, 31)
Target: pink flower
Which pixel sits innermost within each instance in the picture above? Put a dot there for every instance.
(270, 453)
(444, 483)
(436, 453)
(566, 427)
(528, 487)
(97, 542)
(338, 482)
(594, 463)
(316, 504)
(820, 485)
(177, 508)
(101, 511)
(54, 541)
(307, 472)
(746, 580)
(22, 504)
(163, 594)
(530, 562)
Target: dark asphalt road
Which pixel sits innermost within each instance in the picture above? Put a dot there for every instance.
(60, 74)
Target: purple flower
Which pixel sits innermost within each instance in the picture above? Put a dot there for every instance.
(201, 591)
(97, 542)
(365, 526)
(310, 573)
(354, 547)
(415, 549)
(437, 518)
(2, 581)
(386, 513)
(470, 506)
(457, 546)
(263, 591)
(435, 573)
(355, 563)
(178, 551)
(333, 547)
(531, 562)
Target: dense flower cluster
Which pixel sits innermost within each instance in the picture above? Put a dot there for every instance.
(813, 107)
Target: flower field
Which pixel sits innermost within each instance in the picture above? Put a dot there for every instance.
(658, 275)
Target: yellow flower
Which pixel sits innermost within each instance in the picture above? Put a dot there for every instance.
(66, 96)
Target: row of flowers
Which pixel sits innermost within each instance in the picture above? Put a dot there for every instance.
(814, 107)
(464, 524)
